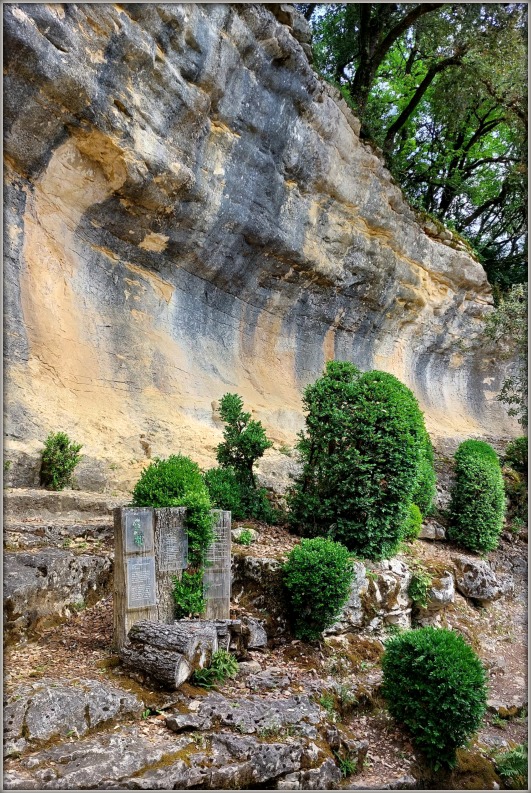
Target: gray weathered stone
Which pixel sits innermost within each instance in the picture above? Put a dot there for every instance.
(476, 580)
(251, 715)
(47, 709)
(42, 587)
(431, 530)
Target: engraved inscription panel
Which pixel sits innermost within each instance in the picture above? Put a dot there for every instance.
(141, 582)
(138, 530)
(174, 549)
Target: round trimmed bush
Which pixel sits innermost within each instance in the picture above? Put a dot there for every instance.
(435, 684)
(362, 453)
(317, 575)
(177, 482)
(477, 504)
(224, 490)
(413, 523)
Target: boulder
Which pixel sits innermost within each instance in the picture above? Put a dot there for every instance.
(432, 530)
(43, 587)
(251, 715)
(476, 580)
(47, 709)
(237, 533)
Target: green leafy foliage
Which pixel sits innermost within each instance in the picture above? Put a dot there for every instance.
(442, 89)
(177, 482)
(59, 458)
(224, 489)
(188, 594)
(419, 587)
(425, 489)
(222, 666)
(362, 452)
(244, 443)
(245, 538)
(477, 504)
(244, 440)
(512, 766)
(435, 684)
(516, 455)
(347, 764)
(413, 524)
(317, 576)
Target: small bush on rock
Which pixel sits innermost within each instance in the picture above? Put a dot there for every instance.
(477, 504)
(59, 458)
(435, 684)
(516, 455)
(317, 575)
(362, 454)
(413, 523)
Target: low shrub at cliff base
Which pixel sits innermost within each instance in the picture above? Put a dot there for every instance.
(317, 576)
(435, 684)
(363, 452)
(516, 455)
(225, 491)
(177, 482)
(59, 458)
(412, 524)
(477, 504)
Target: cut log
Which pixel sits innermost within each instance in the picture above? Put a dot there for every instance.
(170, 653)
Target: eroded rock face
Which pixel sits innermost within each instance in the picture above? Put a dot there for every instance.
(475, 579)
(37, 712)
(189, 211)
(47, 585)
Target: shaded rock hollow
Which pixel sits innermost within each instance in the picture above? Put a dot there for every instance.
(190, 211)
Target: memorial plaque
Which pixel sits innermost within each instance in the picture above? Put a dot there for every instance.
(173, 549)
(141, 582)
(217, 575)
(138, 530)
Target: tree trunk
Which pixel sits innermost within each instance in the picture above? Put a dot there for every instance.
(170, 653)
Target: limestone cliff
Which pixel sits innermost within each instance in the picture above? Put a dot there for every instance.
(189, 210)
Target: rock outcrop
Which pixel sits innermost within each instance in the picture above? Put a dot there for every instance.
(189, 211)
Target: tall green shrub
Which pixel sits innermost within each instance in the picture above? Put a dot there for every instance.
(362, 453)
(244, 442)
(424, 492)
(177, 482)
(317, 576)
(59, 458)
(435, 684)
(477, 504)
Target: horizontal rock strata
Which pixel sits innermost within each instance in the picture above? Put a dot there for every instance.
(189, 211)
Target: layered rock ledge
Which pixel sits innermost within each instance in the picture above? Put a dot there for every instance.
(190, 211)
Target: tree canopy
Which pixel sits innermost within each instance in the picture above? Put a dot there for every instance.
(441, 88)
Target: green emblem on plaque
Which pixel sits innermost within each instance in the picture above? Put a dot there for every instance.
(138, 534)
